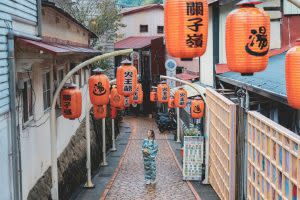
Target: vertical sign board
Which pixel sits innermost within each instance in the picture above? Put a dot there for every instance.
(193, 157)
(171, 71)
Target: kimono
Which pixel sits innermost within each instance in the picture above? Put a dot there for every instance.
(149, 159)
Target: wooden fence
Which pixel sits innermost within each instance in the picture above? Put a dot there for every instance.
(222, 144)
(273, 160)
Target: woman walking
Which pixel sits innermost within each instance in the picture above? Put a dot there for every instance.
(149, 150)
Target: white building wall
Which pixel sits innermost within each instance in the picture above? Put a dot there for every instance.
(152, 18)
(206, 66)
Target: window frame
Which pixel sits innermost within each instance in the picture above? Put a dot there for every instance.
(144, 26)
(158, 29)
(30, 114)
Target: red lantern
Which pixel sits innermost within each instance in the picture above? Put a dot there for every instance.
(292, 76)
(113, 112)
(116, 100)
(247, 39)
(186, 27)
(71, 101)
(99, 112)
(127, 101)
(138, 95)
(163, 92)
(153, 96)
(126, 79)
(197, 108)
(171, 103)
(99, 88)
(180, 98)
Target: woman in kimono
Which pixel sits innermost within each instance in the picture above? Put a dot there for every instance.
(149, 150)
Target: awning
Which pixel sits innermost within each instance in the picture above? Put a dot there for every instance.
(186, 76)
(58, 49)
(190, 91)
(137, 42)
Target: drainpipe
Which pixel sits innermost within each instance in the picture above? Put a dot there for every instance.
(216, 34)
(39, 18)
(15, 131)
(295, 2)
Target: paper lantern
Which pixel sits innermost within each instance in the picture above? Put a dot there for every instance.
(292, 76)
(99, 88)
(171, 103)
(113, 112)
(126, 78)
(197, 108)
(180, 98)
(186, 27)
(163, 92)
(116, 100)
(128, 101)
(153, 96)
(138, 95)
(247, 39)
(71, 101)
(99, 112)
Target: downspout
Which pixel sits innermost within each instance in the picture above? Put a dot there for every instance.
(15, 129)
(216, 36)
(39, 17)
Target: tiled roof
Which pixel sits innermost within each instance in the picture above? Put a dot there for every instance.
(135, 42)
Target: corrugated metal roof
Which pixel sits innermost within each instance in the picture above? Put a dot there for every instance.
(270, 82)
(135, 42)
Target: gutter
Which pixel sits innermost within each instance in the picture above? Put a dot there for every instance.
(15, 129)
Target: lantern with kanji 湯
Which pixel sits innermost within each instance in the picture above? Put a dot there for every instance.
(138, 95)
(153, 95)
(186, 27)
(99, 88)
(247, 39)
(113, 112)
(197, 108)
(71, 101)
(99, 111)
(116, 100)
(163, 92)
(126, 78)
(180, 98)
(292, 76)
(171, 103)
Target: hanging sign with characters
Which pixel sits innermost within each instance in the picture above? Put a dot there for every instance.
(71, 101)
(247, 39)
(180, 98)
(163, 92)
(171, 66)
(126, 79)
(186, 24)
(197, 108)
(99, 88)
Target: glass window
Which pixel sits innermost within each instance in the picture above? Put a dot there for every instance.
(27, 101)
(160, 29)
(143, 28)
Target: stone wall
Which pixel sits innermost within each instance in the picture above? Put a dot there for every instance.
(72, 162)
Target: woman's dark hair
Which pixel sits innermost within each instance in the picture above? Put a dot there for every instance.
(152, 134)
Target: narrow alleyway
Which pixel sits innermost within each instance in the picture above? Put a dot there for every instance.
(128, 182)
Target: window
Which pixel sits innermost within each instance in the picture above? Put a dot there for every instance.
(186, 59)
(143, 28)
(27, 101)
(46, 90)
(160, 29)
(60, 75)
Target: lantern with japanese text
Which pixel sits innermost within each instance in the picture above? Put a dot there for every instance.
(113, 112)
(116, 100)
(138, 95)
(247, 39)
(99, 88)
(163, 92)
(99, 111)
(180, 98)
(197, 108)
(71, 101)
(126, 78)
(153, 95)
(171, 103)
(292, 76)
(186, 23)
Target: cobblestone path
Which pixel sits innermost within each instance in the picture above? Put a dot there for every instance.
(129, 182)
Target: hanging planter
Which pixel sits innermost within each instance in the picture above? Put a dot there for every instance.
(163, 92)
(186, 27)
(180, 98)
(126, 78)
(247, 38)
(292, 76)
(71, 101)
(197, 108)
(99, 88)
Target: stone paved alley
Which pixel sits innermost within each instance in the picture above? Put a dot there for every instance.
(129, 180)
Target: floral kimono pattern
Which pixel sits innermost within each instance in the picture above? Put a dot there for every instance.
(149, 159)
